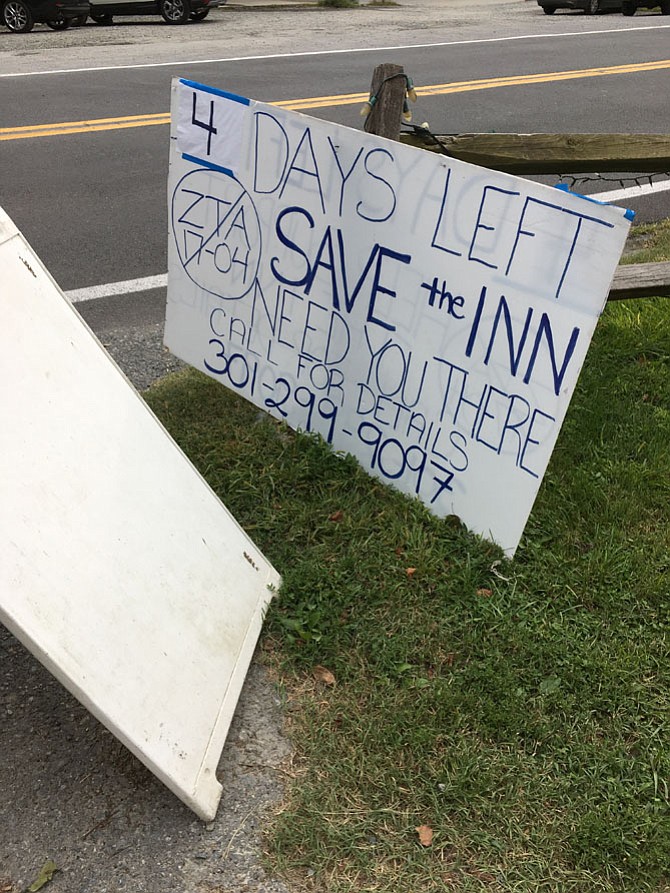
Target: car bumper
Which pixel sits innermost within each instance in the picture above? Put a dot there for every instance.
(66, 9)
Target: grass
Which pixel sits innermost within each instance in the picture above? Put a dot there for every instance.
(649, 243)
(519, 709)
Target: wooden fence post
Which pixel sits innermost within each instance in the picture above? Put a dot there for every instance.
(389, 86)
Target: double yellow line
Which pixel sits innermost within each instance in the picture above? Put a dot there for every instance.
(520, 80)
(317, 102)
(34, 130)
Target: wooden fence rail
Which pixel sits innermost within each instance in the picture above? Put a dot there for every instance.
(640, 281)
(551, 153)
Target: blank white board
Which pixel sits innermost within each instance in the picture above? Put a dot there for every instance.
(119, 568)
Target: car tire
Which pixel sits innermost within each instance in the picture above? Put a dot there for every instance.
(592, 8)
(174, 12)
(101, 18)
(199, 14)
(628, 8)
(17, 16)
(549, 10)
(59, 24)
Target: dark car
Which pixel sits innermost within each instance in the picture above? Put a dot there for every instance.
(21, 15)
(590, 7)
(174, 12)
(628, 7)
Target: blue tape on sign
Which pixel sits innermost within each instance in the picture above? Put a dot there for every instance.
(208, 164)
(628, 213)
(205, 89)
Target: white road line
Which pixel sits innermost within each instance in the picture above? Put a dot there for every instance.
(616, 195)
(418, 46)
(112, 289)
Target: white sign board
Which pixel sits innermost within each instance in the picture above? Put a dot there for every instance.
(425, 315)
(119, 568)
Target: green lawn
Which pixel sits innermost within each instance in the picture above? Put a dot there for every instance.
(519, 709)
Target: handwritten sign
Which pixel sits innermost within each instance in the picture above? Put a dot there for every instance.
(425, 315)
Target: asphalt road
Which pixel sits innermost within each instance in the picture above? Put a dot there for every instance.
(94, 206)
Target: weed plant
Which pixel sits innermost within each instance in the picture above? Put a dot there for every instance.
(519, 709)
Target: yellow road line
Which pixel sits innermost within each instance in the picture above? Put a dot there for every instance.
(35, 130)
(524, 79)
(481, 84)
(316, 102)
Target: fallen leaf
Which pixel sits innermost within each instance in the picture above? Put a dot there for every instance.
(322, 674)
(336, 516)
(6, 886)
(410, 571)
(485, 593)
(425, 833)
(47, 872)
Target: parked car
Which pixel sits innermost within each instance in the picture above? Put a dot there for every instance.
(590, 7)
(628, 7)
(21, 15)
(174, 12)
